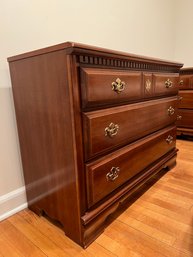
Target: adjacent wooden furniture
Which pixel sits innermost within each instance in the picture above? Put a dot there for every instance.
(94, 125)
(185, 112)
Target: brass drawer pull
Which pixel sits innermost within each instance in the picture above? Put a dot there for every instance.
(171, 111)
(168, 83)
(181, 83)
(169, 139)
(179, 117)
(180, 98)
(118, 86)
(113, 174)
(111, 130)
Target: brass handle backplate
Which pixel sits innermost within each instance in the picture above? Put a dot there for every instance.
(169, 139)
(181, 83)
(113, 174)
(148, 85)
(111, 130)
(171, 111)
(179, 117)
(118, 86)
(168, 83)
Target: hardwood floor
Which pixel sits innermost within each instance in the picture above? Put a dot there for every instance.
(158, 223)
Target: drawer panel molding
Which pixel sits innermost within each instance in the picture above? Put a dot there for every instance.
(127, 124)
(186, 101)
(165, 84)
(100, 86)
(117, 168)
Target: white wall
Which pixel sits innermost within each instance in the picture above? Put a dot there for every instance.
(137, 26)
(184, 32)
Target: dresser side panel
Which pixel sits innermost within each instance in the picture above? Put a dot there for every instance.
(46, 133)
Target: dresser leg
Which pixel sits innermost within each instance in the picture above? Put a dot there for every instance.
(38, 211)
(170, 164)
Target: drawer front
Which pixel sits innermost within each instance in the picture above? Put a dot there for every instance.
(107, 129)
(187, 99)
(107, 174)
(186, 82)
(100, 87)
(185, 118)
(165, 84)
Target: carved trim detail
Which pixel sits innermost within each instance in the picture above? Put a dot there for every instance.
(123, 64)
(186, 72)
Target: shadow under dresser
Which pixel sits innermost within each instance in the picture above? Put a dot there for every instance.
(94, 125)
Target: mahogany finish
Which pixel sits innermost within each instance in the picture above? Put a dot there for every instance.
(153, 147)
(134, 121)
(186, 118)
(79, 111)
(185, 114)
(95, 85)
(170, 82)
(186, 99)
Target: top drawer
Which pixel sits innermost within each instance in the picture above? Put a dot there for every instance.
(186, 82)
(101, 87)
(165, 84)
(186, 99)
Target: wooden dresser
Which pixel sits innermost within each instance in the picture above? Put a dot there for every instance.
(94, 125)
(185, 112)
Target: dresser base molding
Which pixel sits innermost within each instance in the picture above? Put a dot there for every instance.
(184, 132)
(96, 220)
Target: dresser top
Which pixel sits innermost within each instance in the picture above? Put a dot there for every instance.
(77, 48)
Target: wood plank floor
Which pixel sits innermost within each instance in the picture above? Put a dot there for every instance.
(158, 223)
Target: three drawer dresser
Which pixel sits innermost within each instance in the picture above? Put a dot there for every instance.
(94, 125)
(185, 112)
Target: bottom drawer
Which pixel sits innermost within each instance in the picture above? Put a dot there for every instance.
(186, 118)
(108, 173)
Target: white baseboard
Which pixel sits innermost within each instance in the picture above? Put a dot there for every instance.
(12, 203)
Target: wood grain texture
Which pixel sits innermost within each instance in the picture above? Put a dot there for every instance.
(186, 79)
(149, 149)
(41, 94)
(96, 86)
(187, 99)
(157, 223)
(187, 119)
(82, 48)
(135, 121)
(160, 88)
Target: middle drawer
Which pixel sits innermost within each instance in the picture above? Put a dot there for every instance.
(110, 128)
